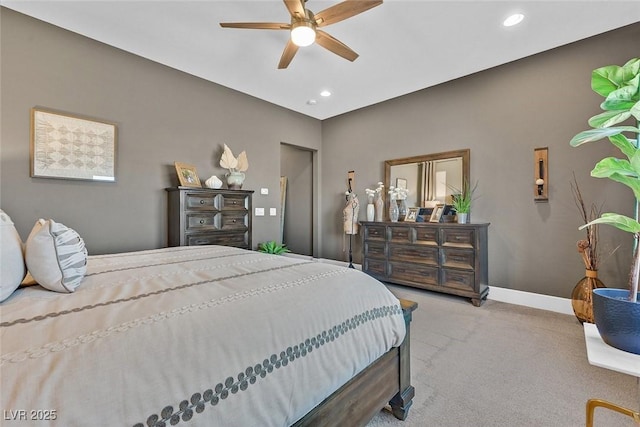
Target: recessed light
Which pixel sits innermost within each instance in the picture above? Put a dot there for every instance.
(325, 93)
(312, 102)
(512, 20)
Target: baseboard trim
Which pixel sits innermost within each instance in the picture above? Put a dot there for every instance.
(510, 296)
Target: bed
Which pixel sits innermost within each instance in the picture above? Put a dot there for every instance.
(205, 336)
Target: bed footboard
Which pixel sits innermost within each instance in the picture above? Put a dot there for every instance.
(385, 381)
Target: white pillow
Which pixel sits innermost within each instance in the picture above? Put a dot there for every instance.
(56, 256)
(12, 269)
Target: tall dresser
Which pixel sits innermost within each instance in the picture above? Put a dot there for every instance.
(443, 257)
(202, 216)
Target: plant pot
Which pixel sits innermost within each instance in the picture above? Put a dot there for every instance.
(617, 318)
(462, 217)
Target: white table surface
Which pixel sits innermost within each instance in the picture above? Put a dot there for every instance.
(603, 355)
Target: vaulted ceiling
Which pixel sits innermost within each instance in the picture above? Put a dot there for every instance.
(404, 46)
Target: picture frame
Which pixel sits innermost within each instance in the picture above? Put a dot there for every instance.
(424, 214)
(412, 215)
(436, 215)
(187, 175)
(71, 146)
(401, 183)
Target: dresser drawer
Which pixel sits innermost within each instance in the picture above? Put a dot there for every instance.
(458, 279)
(239, 240)
(402, 234)
(203, 221)
(415, 273)
(195, 201)
(374, 249)
(374, 232)
(414, 253)
(234, 221)
(458, 237)
(375, 267)
(458, 258)
(427, 236)
(233, 201)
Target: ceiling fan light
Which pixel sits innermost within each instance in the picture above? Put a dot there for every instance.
(303, 34)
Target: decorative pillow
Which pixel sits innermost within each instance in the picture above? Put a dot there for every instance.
(12, 268)
(56, 256)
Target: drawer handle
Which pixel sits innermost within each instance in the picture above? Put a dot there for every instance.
(202, 221)
(233, 221)
(235, 202)
(201, 202)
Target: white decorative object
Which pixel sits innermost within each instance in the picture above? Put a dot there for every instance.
(56, 256)
(371, 212)
(12, 268)
(213, 182)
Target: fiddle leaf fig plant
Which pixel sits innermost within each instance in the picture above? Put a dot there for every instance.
(620, 86)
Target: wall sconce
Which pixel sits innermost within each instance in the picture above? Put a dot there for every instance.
(541, 174)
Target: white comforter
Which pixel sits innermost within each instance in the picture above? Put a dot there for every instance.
(198, 336)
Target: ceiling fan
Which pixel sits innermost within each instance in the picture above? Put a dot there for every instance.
(304, 27)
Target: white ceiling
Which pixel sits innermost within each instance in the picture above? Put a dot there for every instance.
(404, 46)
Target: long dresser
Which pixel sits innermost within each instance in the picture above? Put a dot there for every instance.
(442, 257)
(202, 216)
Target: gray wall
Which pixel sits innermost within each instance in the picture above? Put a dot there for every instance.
(501, 114)
(163, 116)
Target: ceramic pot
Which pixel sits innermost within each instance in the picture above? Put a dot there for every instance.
(617, 318)
(235, 180)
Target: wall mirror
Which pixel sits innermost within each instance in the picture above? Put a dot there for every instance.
(428, 178)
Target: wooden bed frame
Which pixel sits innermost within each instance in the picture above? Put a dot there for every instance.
(385, 381)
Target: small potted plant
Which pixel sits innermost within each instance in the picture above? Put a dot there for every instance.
(617, 311)
(461, 199)
(273, 247)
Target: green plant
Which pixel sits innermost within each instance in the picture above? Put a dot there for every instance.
(461, 198)
(620, 86)
(272, 247)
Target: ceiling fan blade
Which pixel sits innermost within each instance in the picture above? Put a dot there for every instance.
(334, 45)
(344, 10)
(295, 7)
(288, 54)
(256, 25)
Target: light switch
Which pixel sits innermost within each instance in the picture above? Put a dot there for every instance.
(259, 211)
(272, 211)
(264, 191)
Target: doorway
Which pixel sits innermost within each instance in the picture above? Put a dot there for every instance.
(296, 165)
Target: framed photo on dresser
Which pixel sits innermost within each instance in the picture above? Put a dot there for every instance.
(436, 215)
(412, 215)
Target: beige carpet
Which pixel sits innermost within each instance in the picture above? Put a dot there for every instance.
(503, 365)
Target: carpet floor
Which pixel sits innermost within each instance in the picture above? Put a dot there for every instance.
(503, 365)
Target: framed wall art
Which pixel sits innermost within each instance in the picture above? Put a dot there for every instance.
(67, 146)
(187, 175)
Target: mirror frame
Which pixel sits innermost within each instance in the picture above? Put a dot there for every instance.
(464, 153)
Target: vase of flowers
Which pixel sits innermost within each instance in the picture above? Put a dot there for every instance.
(371, 209)
(398, 196)
(617, 311)
(235, 166)
(378, 201)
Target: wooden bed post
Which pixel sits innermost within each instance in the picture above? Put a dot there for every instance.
(401, 402)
